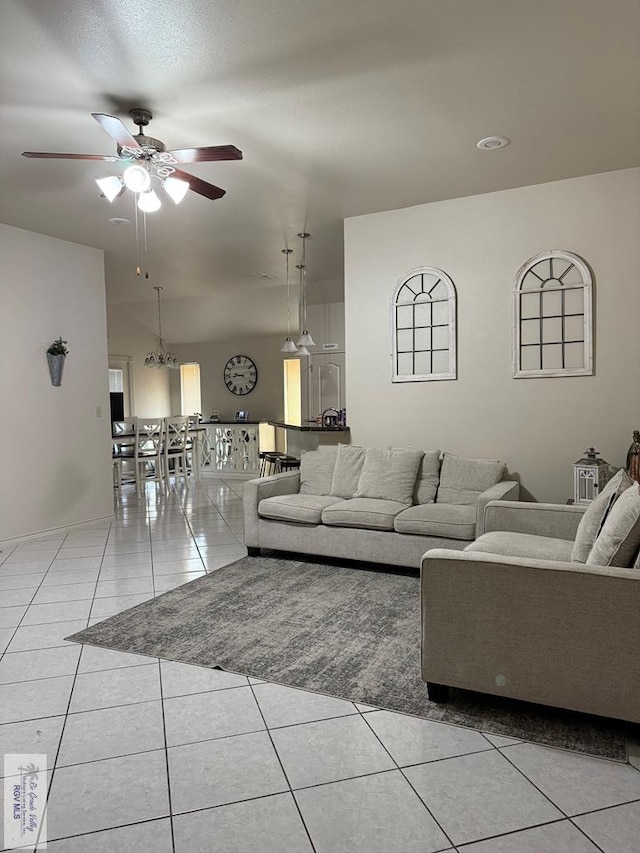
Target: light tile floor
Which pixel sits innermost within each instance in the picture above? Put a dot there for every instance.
(162, 757)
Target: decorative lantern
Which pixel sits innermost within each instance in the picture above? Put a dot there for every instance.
(590, 475)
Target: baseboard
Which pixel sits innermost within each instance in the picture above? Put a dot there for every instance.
(41, 534)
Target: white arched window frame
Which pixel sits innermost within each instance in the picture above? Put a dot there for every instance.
(552, 305)
(423, 327)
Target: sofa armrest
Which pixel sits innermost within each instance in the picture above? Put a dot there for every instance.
(287, 483)
(545, 631)
(560, 521)
(507, 490)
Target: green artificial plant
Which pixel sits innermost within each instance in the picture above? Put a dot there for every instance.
(58, 347)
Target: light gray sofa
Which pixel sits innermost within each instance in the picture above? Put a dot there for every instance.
(544, 606)
(383, 506)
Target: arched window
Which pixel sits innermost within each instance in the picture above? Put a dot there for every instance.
(552, 317)
(423, 327)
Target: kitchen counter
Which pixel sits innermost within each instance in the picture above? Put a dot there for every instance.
(309, 427)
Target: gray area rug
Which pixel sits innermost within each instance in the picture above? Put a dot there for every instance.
(348, 632)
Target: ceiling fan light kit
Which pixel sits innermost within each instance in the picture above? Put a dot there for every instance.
(149, 201)
(175, 189)
(148, 158)
(136, 178)
(112, 187)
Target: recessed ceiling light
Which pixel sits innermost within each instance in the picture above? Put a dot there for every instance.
(118, 220)
(490, 143)
(261, 275)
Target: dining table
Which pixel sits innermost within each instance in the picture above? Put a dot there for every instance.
(198, 432)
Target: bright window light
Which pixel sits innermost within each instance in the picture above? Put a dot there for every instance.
(190, 389)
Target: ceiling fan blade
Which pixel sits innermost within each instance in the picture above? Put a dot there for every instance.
(116, 130)
(108, 157)
(198, 185)
(207, 154)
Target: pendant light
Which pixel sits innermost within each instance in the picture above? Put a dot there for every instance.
(160, 357)
(305, 340)
(289, 345)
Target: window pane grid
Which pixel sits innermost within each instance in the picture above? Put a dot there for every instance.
(424, 307)
(553, 303)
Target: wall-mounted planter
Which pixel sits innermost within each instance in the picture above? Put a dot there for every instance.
(56, 354)
(56, 366)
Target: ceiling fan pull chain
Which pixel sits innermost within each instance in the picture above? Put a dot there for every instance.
(135, 216)
(144, 225)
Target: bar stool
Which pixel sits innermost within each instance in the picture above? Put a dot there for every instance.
(284, 462)
(268, 462)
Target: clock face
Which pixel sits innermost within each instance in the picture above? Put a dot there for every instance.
(240, 375)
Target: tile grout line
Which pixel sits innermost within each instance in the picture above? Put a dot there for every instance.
(397, 766)
(284, 772)
(66, 717)
(35, 592)
(166, 758)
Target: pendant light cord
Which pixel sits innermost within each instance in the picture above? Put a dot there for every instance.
(157, 288)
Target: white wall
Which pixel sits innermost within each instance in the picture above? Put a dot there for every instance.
(538, 426)
(56, 451)
(129, 337)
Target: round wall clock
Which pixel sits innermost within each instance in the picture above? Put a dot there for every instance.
(240, 375)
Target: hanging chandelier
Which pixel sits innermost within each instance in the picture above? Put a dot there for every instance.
(161, 356)
(289, 345)
(305, 340)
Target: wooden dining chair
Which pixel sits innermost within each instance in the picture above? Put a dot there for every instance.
(176, 449)
(122, 453)
(148, 451)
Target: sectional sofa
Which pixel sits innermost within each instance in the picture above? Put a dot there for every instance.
(544, 606)
(376, 505)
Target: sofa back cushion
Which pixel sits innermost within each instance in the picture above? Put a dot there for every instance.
(595, 515)
(462, 479)
(389, 474)
(619, 539)
(316, 470)
(347, 471)
(428, 478)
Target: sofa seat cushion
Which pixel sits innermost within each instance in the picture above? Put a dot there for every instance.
(367, 513)
(510, 544)
(451, 520)
(305, 509)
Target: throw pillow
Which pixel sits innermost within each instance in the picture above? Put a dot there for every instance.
(462, 479)
(428, 478)
(595, 515)
(346, 474)
(316, 470)
(389, 474)
(619, 538)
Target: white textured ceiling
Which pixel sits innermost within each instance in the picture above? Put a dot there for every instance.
(341, 107)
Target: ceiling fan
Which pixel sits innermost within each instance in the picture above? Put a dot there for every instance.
(150, 156)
